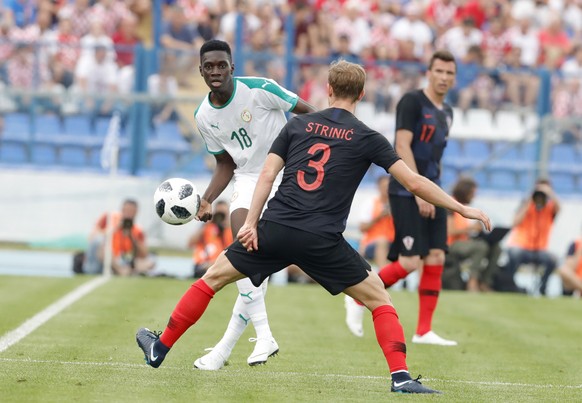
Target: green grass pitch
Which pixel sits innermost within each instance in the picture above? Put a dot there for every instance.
(512, 348)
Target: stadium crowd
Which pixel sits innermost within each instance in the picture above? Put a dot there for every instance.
(86, 46)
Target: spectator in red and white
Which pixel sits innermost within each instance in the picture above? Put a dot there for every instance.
(96, 37)
(554, 43)
(271, 23)
(473, 9)
(194, 10)
(352, 25)
(381, 36)
(440, 15)
(125, 39)
(110, 13)
(6, 46)
(496, 42)
(64, 53)
(525, 36)
(79, 13)
(412, 28)
(23, 73)
(460, 38)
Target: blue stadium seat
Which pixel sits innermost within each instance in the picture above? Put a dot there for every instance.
(49, 125)
(73, 156)
(16, 124)
(449, 176)
(78, 125)
(13, 152)
(564, 154)
(162, 161)
(169, 131)
(476, 150)
(503, 180)
(563, 182)
(196, 164)
(44, 154)
(453, 150)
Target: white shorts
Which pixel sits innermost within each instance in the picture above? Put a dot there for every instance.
(243, 189)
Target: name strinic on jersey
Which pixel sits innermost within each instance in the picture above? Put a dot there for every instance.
(329, 131)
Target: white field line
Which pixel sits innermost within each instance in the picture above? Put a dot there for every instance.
(14, 336)
(238, 372)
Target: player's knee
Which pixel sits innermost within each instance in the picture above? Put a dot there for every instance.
(410, 263)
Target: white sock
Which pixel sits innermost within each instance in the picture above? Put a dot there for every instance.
(255, 309)
(236, 326)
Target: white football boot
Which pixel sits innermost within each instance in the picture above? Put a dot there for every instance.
(354, 316)
(264, 349)
(432, 338)
(212, 361)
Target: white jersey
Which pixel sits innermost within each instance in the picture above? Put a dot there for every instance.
(248, 123)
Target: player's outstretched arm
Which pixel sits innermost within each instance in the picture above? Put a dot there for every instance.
(221, 177)
(248, 232)
(427, 190)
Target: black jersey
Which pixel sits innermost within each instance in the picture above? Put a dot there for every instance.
(326, 156)
(430, 127)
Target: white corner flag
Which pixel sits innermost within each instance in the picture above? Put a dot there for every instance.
(111, 143)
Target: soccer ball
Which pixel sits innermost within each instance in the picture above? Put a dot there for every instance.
(177, 201)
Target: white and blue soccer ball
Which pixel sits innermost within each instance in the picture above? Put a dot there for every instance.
(177, 201)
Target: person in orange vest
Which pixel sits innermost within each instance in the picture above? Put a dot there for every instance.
(466, 245)
(378, 231)
(211, 239)
(571, 270)
(532, 225)
(130, 254)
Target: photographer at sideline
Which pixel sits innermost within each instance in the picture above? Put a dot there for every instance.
(211, 239)
(130, 254)
(533, 222)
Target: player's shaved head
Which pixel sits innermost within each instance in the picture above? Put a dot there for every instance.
(215, 44)
(347, 79)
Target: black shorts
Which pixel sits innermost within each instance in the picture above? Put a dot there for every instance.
(415, 235)
(333, 263)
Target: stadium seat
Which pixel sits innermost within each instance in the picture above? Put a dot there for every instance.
(12, 152)
(563, 183)
(508, 125)
(449, 176)
(48, 125)
(73, 156)
(168, 131)
(44, 154)
(195, 164)
(460, 128)
(17, 124)
(162, 161)
(503, 180)
(476, 150)
(480, 123)
(565, 154)
(78, 125)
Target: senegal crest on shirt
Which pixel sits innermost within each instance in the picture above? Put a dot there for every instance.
(246, 115)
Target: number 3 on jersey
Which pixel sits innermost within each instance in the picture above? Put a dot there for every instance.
(242, 137)
(317, 165)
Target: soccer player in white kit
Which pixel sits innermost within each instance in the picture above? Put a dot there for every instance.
(239, 119)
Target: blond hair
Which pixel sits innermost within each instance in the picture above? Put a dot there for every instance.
(347, 79)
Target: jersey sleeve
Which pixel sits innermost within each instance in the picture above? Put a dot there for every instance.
(281, 144)
(408, 113)
(213, 146)
(273, 96)
(381, 152)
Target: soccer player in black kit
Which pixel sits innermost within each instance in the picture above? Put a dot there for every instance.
(423, 121)
(325, 155)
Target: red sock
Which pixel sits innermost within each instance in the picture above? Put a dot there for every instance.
(428, 296)
(390, 337)
(391, 273)
(187, 312)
